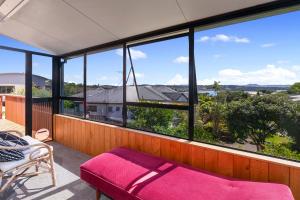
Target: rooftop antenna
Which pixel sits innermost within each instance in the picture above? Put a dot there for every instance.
(133, 73)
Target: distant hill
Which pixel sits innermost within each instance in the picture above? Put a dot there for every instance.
(249, 87)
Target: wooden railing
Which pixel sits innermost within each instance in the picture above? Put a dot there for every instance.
(94, 138)
(0, 107)
(41, 112)
(42, 116)
(15, 109)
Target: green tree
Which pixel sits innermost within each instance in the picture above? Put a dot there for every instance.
(294, 89)
(159, 120)
(72, 88)
(258, 117)
(36, 92)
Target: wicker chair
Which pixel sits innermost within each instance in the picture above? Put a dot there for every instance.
(37, 154)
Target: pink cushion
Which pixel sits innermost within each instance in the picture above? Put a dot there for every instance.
(128, 174)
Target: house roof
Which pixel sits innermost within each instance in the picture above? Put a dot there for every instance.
(114, 94)
(19, 79)
(62, 26)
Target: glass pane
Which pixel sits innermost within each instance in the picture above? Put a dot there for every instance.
(42, 89)
(248, 86)
(104, 87)
(73, 78)
(12, 90)
(159, 72)
(164, 121)
(41, 76)
(74, 108)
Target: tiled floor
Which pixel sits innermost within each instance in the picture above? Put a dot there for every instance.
(69, 185)
(8, 125)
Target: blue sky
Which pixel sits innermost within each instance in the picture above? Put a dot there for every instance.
(264, 51)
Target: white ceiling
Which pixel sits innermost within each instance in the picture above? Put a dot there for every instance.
(61, 26)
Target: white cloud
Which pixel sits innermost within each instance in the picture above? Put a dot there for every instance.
(135, 54)
(268, 45)
(102, 78)
(283, 61)
(178, 79)
(181, 59)
(269, 75)
(75, 78)
(217, 56)
(139, 75)
(224, 38)
(296, 68)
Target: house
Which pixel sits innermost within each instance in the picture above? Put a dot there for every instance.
(106, 102)
(15, 82)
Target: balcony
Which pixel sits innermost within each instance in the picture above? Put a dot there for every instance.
(182, 85)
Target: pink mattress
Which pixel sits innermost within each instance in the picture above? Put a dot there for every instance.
(128, 174)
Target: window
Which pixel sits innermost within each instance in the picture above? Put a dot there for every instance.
(105, 85)
(157, 77)
(157, 72)
(73, 77)
(41, 93)
(70, 107)
(118, 109)
(92, 108)
(41, 76)
(163, 121)
(12, 83)
(248, 86)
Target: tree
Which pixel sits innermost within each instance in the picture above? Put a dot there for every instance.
(258, 117)
(36, 92)
(163, 121)
(294, 89)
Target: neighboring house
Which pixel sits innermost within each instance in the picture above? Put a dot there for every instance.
(106, 102)
(14, 82)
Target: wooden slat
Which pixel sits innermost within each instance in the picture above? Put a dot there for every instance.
(225, 164)
(259, 170)
(186, 154)
(241, 167)
(211, 160)
(198, 157)
(279, 174)
(295, 182)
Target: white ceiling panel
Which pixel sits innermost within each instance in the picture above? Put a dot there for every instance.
(131, 17)
(62, 26)
(33, 37)
(198, 9)
(61, 22)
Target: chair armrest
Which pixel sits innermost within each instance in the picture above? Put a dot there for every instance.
(15, 131)
(33, 154)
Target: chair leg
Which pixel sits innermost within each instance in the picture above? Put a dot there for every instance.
(98, 195)
(1, 177)
(52, 171)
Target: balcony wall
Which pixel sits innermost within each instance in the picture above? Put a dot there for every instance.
(15, 109)
(0, 107)
(94, 138)
(15, 112)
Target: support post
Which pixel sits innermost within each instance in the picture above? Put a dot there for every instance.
(28, 94)
(191, 85)
(55, 84)
(124, 111)
(84, 86)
